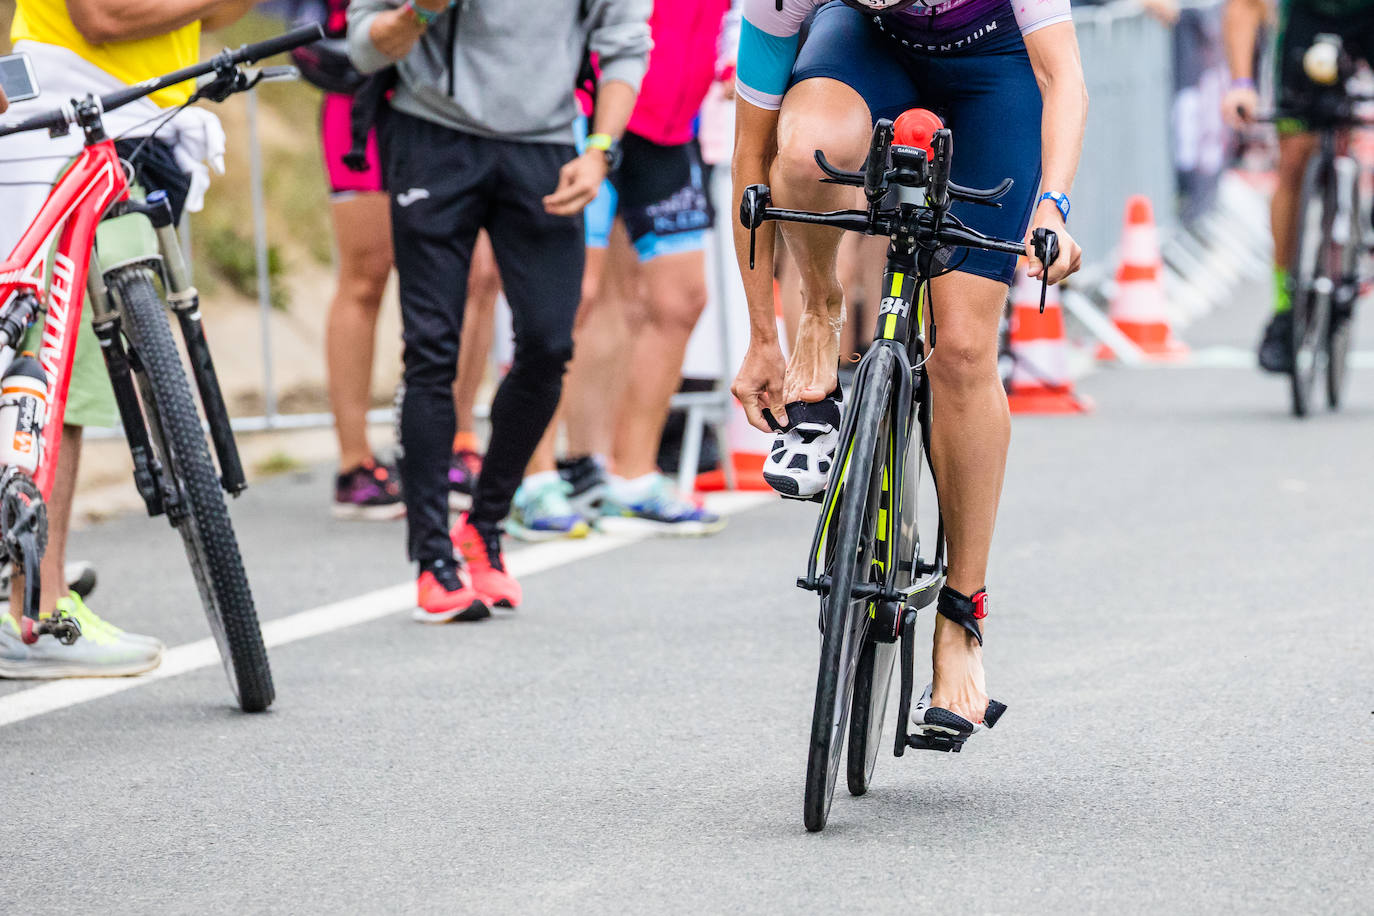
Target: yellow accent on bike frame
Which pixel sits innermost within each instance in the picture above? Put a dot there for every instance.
(897, 284)
(834, 501)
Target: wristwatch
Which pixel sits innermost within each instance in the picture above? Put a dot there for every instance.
(609, 146)
(1061, 201)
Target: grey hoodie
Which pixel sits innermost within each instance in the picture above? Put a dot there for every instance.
(514, 62)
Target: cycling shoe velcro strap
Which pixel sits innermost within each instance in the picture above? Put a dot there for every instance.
(966, 611)
(826, 410)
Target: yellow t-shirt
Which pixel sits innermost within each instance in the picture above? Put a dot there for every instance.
(127, 61)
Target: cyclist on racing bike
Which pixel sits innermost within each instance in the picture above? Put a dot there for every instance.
(1006, 77)
(97, 46)
(1300, 22)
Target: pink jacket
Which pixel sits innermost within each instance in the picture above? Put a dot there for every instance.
(682, 66)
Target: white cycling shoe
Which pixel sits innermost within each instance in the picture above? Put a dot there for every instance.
(798, 463)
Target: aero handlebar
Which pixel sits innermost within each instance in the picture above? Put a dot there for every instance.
(59, 119)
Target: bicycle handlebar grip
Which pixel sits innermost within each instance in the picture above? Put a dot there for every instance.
(50, 119)
(295, 38)
(879, 152)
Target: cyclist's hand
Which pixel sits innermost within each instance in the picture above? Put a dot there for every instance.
(1070, 255)
(758, 385)
(578, 184)
(1238, 106)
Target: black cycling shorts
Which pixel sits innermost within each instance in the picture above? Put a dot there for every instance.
(660, 193)
(1298, 28)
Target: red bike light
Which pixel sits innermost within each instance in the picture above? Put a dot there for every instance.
(916, 127)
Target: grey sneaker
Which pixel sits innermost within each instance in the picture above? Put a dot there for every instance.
(103, 650)
(80, 576)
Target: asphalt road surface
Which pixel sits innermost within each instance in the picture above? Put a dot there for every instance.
(1182, 628)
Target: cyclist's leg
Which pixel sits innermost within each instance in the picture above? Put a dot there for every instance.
(844, 78)
(988, 96)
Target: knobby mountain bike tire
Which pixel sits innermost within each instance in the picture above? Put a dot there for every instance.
(203, 518)
(1311, 307)
(849, 550)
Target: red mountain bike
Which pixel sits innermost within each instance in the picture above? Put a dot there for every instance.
(90, 214)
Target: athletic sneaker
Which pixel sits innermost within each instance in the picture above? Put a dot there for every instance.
(80, 576)
(799, 460)
(1276, 349)
(587, 477)
(463, 469)
(371, 492)
(480, 546)
(103, 650)
(445, 593)
(540, 510)
(650, 504)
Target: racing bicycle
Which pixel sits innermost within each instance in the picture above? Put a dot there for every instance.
(98, 238)
(868, 561)
(1332, 234)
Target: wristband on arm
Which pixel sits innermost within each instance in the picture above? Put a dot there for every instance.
(1060, 201)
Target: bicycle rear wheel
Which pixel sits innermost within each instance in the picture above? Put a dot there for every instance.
(1312, 282)
(195, 500)
(849, 549)
(872, 683)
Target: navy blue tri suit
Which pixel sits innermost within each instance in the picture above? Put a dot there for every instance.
(963, 59)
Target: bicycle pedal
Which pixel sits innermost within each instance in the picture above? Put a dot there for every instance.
(66, 630)
(949, 745)
(818, 498)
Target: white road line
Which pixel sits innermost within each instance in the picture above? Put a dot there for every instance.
(1223, 357)
(395, 599)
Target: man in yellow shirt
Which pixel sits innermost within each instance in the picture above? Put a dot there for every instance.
(97, 46)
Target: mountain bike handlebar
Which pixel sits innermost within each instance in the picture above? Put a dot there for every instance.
(59, 119)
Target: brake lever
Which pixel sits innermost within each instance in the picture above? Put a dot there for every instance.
(1046, 245)
(752, 206)
(276, 74)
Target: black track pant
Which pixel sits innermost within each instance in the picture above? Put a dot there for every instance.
(445, 186)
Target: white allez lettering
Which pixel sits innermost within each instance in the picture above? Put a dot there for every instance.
(59, 310)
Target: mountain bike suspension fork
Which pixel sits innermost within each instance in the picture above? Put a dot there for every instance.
(148, 476)
(185, 302)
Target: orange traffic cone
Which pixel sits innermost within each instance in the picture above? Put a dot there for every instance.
(1040, 381)
(1138, 308)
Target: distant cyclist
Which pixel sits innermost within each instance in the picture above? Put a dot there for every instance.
(1007, 80)
(1300, 22)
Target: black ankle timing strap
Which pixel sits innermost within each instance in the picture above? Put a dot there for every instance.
(963, 610)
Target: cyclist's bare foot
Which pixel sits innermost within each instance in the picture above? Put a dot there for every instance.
(812, 370)
(957, 662)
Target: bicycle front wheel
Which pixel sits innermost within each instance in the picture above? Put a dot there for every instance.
(1312, 284)
(1346, 261)
(195, 501)
(849, 551)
